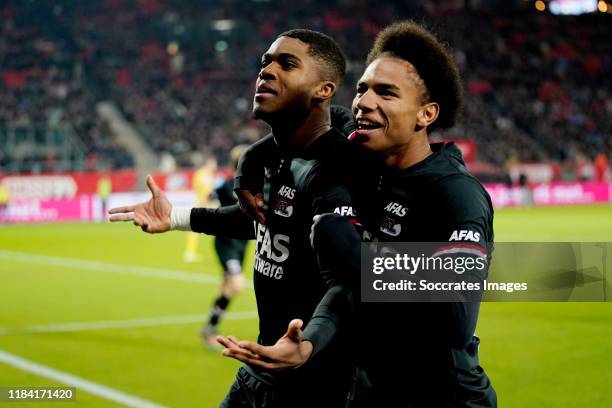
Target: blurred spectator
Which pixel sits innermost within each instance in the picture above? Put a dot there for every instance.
(537, 85)
(602, 169)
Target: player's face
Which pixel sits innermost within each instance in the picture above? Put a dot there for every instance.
(287, 80)
(389, 97)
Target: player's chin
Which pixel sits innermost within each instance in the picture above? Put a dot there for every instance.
(260, 110)
(258, 113)
(370, 138)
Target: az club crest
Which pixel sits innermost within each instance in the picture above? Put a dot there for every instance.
(390, 227)
(284, 208)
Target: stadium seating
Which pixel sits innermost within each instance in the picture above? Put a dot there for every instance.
(182, 73)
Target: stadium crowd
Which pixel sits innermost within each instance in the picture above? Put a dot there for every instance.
(45, 90)
(537, 85)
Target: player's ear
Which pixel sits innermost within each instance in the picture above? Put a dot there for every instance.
(428, 114)
(325, 90)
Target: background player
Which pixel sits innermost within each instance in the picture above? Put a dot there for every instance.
(104, 189)
(204, 184)
(231, 256)
(5, 196)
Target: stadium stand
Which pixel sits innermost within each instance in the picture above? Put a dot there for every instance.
(182, 73)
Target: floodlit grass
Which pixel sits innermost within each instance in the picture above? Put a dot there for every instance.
(537, 354)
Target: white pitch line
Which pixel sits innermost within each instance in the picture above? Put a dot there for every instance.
(72, 380)
(107, 267)
(122, 324)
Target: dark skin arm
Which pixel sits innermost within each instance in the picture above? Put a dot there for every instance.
(154, 216)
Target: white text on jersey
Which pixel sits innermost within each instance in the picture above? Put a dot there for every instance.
(345, 210)
(465, 235)
(396, 209)
(286, 192)
(274, 248)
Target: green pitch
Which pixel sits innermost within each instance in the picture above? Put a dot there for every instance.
(120, 309)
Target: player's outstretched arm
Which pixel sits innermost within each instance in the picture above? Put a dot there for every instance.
(152, 216)
(290, 351)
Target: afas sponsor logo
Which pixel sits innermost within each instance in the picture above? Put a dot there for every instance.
(271, 250)
(396, 208)
(287, 192)
(273, 246)
(390, 225)
(465, 235)
(345, 210)
(284, 204)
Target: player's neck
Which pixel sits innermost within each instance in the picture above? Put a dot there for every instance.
(297, 135)
(413, 152)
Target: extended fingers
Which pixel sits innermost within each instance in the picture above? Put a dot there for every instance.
(122, 217)
(248, 352)
(152, 186)
(233, 348)
(248, 359)
(294, 331)
(233, 340)
(124, 209)
(229, 342)
(254, 348)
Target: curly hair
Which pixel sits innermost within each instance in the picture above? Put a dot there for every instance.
(433, 62)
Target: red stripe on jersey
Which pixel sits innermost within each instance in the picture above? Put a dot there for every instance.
(457, 248)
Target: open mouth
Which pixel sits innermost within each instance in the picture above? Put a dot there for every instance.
(365, 126)
(264, 89)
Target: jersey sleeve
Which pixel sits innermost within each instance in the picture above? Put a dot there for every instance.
(328, 193)
(227, 222)
(342, 120)
(337, 244)
(250, 170)
(466, 230)
(467, 213)
(338, 247)
(339, 262)
(331, 315)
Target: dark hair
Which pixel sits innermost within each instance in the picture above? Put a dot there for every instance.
(433, 61)
(324, 48)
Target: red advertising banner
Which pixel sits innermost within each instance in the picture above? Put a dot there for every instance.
(64, 185)
(182, 180)
(71, 185)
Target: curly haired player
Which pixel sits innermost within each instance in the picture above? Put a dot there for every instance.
(409, 354)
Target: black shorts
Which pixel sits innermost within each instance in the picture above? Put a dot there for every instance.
(231, 254)
(252, 391)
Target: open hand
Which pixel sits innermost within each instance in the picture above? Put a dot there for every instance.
(290, 351)
(152, 216)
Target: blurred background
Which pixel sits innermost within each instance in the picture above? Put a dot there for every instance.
(94, 95)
